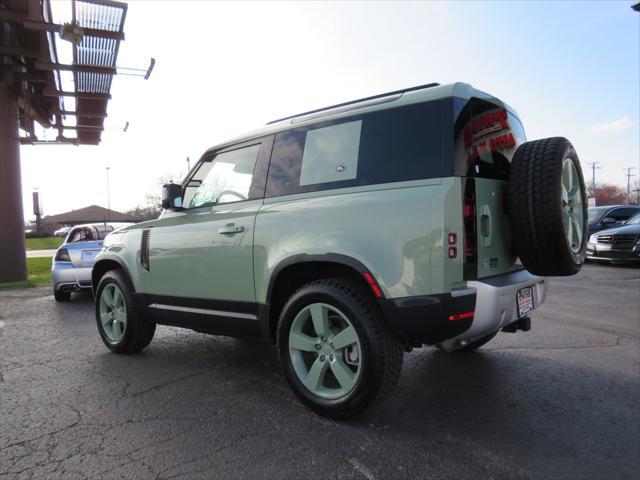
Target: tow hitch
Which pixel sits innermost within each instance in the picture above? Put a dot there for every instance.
(523, 324)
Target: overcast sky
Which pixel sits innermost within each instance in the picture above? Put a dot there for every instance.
(569, 68)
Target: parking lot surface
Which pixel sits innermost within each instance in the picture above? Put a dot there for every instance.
(561, 401)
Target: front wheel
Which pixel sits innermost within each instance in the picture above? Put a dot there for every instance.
(121, 327)
(335, 350)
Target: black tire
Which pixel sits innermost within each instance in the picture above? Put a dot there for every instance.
(536, 208)
(382, 353)
(138, 332)
(61, 296)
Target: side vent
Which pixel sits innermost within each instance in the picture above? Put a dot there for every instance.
(144, 249)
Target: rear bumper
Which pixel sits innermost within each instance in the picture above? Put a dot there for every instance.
(441, 318)
(496, 304)
(425, 319)
(67, 277)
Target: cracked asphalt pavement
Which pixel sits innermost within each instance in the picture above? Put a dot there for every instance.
(561, 401)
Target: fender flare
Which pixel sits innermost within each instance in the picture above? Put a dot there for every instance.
(305, 258)
(102, 260)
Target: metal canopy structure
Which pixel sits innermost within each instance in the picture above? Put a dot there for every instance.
(69, 97)
(31, 40)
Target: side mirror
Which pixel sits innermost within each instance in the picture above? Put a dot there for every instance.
(171, 196)
(609, 221)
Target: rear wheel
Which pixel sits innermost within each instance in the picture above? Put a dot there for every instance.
(336, 353)
(548, 207)
(121, 327)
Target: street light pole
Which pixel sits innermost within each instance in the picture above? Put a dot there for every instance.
(108, 196)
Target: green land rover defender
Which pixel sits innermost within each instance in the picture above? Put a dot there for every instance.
(351, 234)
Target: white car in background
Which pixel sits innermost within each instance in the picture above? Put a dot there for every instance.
(62, 232)
(72, 264)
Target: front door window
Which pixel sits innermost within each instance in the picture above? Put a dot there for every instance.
(224, 178)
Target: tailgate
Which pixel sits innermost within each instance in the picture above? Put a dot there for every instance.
(495, 252)
(487, 136)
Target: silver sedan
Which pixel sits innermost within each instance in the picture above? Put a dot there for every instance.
(72, 264)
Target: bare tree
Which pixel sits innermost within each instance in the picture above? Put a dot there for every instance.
(635, 192)
(152, 208)
(607, 194)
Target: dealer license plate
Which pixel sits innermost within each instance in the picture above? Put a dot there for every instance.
(524, 299)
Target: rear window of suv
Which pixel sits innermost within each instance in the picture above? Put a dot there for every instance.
(380, 147)
(486, 137)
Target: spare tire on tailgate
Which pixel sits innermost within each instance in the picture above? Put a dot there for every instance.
(548, 207)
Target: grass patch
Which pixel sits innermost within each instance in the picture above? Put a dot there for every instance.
(47, 243)
(38, 274)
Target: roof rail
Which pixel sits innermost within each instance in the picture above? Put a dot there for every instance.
(353, 102)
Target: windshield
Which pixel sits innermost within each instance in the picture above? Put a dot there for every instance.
(595, 212)
(635, 220)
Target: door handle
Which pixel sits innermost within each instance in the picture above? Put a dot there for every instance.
(485, 225)
(230, 229)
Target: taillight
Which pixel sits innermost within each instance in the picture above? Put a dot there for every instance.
(461, 316)
(469, 236)
(470, 246)
(469, 209)
(470, 241)
(62, 255)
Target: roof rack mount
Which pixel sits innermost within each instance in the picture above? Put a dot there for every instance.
(353, 102)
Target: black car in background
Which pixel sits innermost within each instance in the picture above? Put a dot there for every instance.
(617, 245)
(601, 218)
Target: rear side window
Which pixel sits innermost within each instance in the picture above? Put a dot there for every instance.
(103, 231)
(380, 147)
(331, 154)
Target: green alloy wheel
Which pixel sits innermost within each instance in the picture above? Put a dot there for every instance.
(325, 351)
(113, 312)
(121, 327)
(335, 349)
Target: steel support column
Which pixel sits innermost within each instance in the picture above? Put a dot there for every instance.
(13, 266)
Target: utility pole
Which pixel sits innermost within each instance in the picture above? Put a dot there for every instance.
(37, 210)
(629, 175)
(188, 166)
(13, 264)
(593, 177)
